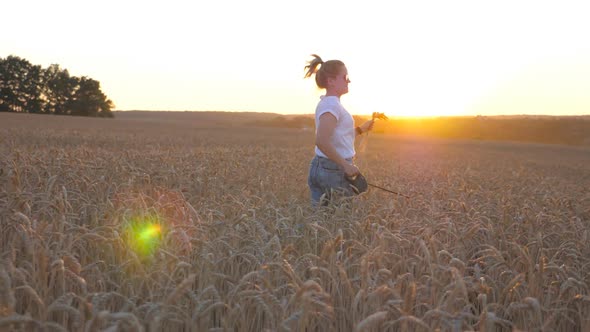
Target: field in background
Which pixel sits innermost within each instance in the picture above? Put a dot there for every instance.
(494, 236)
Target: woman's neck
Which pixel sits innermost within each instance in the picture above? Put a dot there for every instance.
(330, 93)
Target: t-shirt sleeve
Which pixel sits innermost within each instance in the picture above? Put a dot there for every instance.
(330, 110)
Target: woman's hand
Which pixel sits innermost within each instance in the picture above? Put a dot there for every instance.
(350, 170)
(365, 127)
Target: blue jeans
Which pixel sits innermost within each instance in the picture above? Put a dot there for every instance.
(326, 177)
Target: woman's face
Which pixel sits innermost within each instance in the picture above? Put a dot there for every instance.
(339, 85)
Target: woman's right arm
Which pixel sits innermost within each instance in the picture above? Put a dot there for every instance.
(326, 127)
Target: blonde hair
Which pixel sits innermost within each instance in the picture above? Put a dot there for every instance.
(328, 69)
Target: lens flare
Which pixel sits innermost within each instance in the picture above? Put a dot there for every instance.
(149, 233)
(144, 234)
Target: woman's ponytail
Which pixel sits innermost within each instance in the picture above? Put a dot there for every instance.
(312, 66)
(322, 70)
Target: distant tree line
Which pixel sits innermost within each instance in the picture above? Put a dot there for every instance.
(28, 88)
(286, 122)
(570, 130)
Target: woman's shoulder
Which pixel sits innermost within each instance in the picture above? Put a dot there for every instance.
(329, 101)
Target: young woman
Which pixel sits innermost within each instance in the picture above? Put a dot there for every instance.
(335, 132)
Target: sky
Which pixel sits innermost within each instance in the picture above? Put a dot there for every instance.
(404, 58)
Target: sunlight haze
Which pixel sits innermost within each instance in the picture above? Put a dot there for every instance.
(424, 58)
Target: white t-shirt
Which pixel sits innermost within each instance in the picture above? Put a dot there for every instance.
(343, 137)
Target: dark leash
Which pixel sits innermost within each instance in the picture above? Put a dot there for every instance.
(389, 191)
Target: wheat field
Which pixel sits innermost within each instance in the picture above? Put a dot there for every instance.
(494, 236)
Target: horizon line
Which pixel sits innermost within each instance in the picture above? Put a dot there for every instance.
(394, 116)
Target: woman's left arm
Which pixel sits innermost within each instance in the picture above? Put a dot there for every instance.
(365, 127)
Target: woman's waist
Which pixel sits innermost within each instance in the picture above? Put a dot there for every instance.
(350, 159)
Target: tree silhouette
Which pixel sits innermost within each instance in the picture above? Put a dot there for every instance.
(20, 85)
(29, 88)
(59, 90)
(89, 99)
